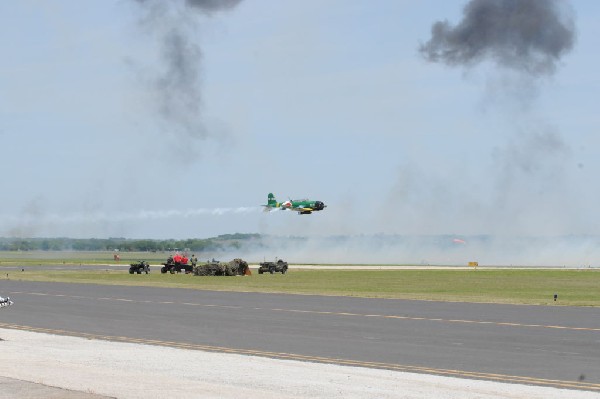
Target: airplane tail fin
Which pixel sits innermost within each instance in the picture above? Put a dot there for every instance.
(271, 201)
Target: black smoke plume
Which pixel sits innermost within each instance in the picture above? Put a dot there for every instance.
(177, 87)
(213, 5)
(529, 36)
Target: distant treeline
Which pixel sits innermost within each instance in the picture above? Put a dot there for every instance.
(221, 242)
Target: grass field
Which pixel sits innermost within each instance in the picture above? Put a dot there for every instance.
(516, 286)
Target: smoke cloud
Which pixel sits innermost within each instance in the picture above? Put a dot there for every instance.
(525, 40)
(177, 88)
(528, 36)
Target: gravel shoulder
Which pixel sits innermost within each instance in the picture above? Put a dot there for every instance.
(42, 365)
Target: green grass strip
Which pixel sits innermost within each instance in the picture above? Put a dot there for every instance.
(515, 286)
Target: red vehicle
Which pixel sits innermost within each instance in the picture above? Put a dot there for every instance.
(176, 264)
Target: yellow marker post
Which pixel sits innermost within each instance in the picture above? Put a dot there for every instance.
(474, 264)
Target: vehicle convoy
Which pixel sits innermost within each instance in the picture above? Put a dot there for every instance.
(176, 264)
(236, 267)
(273, 267)
(139, 267)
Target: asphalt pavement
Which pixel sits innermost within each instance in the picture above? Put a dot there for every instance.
(543, 345)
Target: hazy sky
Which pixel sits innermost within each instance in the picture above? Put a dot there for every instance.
(150, 119)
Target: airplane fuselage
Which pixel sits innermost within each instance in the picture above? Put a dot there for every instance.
(302, 206)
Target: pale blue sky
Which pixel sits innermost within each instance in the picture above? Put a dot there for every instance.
(322, 99)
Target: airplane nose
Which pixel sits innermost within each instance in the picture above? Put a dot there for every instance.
(319, 205)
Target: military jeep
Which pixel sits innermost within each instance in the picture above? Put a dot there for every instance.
(273, 267)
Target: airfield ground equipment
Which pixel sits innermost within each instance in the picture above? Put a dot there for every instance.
(236, 267)
(273, 267)
(176, 264)
(4, 302)
(139, 267)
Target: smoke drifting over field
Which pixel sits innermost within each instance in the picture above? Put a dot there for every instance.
(434, 250)
(529, 36)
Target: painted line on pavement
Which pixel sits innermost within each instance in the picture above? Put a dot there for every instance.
(321, 312)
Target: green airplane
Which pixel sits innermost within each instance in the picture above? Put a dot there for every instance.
(303, 206)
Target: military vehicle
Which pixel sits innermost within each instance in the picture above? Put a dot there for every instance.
(239, 267)
(236, 267)
(176, 264)
(210, 268)
(139, 267)
(273, 267)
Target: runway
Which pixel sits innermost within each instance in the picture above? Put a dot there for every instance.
(539, 345)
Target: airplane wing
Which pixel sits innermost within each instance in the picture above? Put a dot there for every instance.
(301, 209)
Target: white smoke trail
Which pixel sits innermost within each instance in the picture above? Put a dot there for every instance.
(96, 217)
